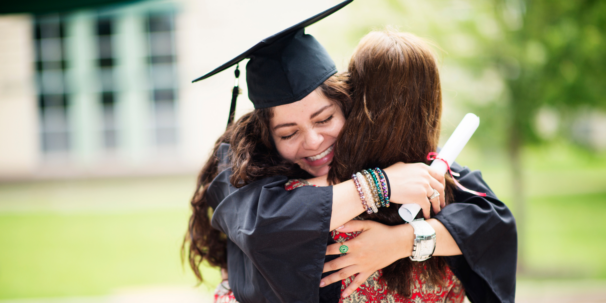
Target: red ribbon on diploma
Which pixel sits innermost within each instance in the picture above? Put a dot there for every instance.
(434, 156)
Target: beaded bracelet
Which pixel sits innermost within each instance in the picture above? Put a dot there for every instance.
(385, 183)
(384, 186)
(380, 193)
(357, 183)
(367, 193)
(366, 189)
(373, 188)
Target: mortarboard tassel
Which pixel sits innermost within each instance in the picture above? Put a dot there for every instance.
(234, 96)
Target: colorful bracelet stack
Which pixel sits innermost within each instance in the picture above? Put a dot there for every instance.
(372, 188)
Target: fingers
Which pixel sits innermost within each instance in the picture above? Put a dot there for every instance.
(340, 275)
(437, 201)
(333, 249)
(428, 191)
(338, 263)
(436, 175)
(353, 225)
(440, 178)
(417, 182)
(426, 207)
(359, 280)
(438, 182)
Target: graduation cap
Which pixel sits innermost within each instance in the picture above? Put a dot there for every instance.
(284, 67)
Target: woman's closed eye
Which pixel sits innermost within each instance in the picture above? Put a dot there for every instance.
(326, 120)
(289, 136)
(319, 122)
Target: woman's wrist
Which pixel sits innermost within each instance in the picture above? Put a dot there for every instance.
(346, 204)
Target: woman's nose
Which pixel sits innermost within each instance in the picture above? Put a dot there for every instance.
(313, 140)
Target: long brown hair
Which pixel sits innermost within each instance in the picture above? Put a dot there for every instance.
(253, 157)
(393, 115)
(397, 104)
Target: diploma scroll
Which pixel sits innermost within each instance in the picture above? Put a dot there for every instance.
(449, 152)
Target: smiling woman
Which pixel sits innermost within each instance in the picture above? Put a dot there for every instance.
(305, 132)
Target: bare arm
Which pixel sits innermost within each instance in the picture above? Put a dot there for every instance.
(445, 243)
(346, 204)
(410, 183)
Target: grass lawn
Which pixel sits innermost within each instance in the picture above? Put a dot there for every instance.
(53, 255)
(565, 236)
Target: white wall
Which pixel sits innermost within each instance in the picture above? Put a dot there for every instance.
(19, 151)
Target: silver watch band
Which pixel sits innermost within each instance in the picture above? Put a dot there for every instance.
(425, 240)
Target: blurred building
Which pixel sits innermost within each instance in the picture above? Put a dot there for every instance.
(107, 91)
(589, 129)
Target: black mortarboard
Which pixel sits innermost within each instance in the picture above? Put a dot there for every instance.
(285, 67)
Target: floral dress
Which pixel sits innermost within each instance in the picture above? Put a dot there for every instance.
(375, 289)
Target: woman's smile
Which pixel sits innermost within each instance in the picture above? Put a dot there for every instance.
(321, 158)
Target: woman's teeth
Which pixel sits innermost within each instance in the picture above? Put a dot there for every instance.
(321, 155)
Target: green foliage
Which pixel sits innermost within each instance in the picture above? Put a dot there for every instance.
(502, 59)
(558, 47)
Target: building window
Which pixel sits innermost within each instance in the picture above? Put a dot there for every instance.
(94, 79)
(107, 96)
(163, 77)
(53, 99)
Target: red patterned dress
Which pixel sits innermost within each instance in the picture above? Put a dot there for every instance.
(375, 289)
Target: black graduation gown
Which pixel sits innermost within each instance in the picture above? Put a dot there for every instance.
(278, 238)
(485, 231)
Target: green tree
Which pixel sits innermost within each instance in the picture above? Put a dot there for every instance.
(554, 56)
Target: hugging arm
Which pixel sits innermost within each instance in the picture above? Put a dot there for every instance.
(481, 228)
(276, 238)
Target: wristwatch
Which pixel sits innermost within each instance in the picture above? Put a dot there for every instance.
(425, 240)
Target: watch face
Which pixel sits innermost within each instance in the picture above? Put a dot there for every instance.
(425, 247)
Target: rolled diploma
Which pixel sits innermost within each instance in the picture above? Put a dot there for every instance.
(449, 152)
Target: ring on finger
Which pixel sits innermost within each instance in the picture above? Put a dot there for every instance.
(343, 248)
(435, 194)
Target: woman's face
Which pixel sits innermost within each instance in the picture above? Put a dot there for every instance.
(305, 131)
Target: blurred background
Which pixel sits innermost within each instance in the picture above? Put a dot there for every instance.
(102, 132)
